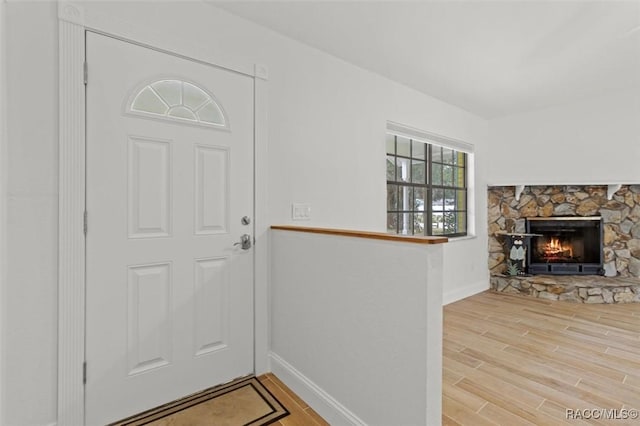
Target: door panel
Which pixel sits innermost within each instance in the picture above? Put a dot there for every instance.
(149, 343)
(212, 201)
(149, 188)
(212, 292)
(169, 177)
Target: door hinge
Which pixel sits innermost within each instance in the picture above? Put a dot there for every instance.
(84, 373)
(85, 223)
(85, 72)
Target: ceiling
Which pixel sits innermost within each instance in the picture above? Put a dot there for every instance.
(492, 58)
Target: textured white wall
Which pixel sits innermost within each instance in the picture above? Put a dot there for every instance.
(326, 147)
(361, 320)
(593, 141)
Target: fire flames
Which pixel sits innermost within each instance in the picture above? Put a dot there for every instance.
(555, 247)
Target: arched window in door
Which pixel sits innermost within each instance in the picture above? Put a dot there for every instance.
(178, 100)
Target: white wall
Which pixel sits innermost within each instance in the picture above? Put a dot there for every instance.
(326, 147)
(593, 141)
(328, 120)
(357, 324)
(29, 303)
(3, 181)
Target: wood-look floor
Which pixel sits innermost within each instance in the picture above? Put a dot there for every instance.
(514, 360)
(301, 413)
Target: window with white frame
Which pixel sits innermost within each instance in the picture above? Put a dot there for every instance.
(427, 187)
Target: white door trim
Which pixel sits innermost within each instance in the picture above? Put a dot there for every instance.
(71, 199)
(71, 202)
(3, 176)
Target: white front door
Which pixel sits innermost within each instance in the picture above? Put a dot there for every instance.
(169, 180)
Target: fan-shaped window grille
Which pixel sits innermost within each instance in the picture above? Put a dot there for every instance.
(178, 100)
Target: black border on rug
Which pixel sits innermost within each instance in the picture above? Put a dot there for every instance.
(187, 402)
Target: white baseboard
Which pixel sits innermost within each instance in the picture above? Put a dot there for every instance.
(461, 293)
(323, 403)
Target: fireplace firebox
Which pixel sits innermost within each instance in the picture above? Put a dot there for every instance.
(565, 245)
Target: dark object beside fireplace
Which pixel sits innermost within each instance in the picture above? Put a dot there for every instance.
(568, 245)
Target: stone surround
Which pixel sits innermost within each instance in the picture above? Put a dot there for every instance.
(620, 217)
(572, 288)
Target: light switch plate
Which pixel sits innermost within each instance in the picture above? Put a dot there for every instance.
(301, 211)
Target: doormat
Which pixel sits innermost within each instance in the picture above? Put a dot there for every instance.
(245, 402)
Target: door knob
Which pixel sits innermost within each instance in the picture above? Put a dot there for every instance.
(245, 242)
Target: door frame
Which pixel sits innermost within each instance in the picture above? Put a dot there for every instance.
(74, 19)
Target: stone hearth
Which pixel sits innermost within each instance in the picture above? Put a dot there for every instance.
(572, 288)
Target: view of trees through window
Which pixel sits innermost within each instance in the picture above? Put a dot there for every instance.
(426, 188)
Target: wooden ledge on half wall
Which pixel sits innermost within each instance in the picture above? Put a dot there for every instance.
(417, 239)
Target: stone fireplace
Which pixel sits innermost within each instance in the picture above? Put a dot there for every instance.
(611, 246)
